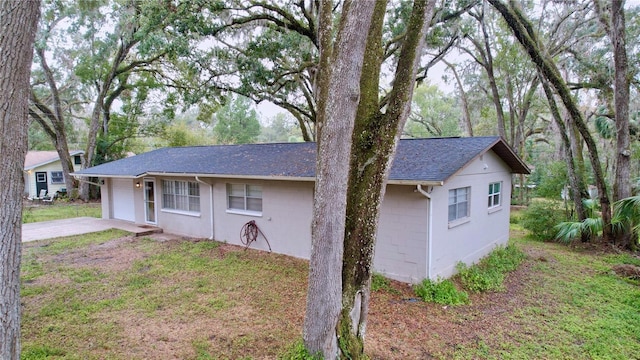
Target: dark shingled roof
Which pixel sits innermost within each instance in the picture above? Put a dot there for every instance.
(417, 160)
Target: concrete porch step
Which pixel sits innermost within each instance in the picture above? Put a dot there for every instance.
(147, 230)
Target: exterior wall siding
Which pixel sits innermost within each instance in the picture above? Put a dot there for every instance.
(401, 246)
(196, 225)
(30, 178)
(485, 229)
(287, 209)
(402, 251)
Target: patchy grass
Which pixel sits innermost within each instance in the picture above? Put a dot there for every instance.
(572, 306)
(112, 296)
(60, 210)
(489, 274)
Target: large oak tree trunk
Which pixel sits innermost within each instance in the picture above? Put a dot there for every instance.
(339, 93)
(375, 139)
(55, 127)
(576, 181)
(466, 114)
(523, 31)
(19, 21)
(622, 181)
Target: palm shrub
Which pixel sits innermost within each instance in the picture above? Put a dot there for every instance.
(591, 227)
(626, 215)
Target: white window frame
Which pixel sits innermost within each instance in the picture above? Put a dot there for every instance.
(181, 196)
(459, 219)
(52, 177)
(493, 195)
(246, 198)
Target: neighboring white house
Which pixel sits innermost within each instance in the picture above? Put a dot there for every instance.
(447, 199)
(43, 171)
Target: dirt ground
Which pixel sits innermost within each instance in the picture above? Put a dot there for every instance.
(399, 326)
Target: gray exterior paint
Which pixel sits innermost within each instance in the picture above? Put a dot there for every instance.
(415, 238)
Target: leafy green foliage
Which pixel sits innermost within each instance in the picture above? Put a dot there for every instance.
(237, 122)
(489, 274)
(280, 128)
(435, 114)
(379, 282)
(180, 133)
(297, 351)
(541, 217)
(441, 292)
(626, 214)
(550, 179)
(590, 227)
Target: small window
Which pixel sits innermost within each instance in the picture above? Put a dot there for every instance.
(77, 160)
(459, 203)
(494, 194)
(57, 177)
(181, 195)
(244, 197)
(41, 177)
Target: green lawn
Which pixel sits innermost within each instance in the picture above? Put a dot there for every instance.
(59, 210)
(574, 307)
(111, 296)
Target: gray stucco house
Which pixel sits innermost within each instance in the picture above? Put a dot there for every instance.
(447, 199)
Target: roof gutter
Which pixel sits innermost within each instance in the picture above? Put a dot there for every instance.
(78, 176)
(210, 204)
(427, 194)
(253, 177)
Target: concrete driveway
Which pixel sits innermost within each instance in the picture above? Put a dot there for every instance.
(81, 225)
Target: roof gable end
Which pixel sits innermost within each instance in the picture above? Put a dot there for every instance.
(37, 158)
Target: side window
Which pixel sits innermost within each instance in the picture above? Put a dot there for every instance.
(181, 195)
(244, 197)
(495, 190)
(57, 177)
(77, 160)
(41, 177)
(459, 203)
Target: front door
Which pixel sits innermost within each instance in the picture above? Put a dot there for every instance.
(150, 200)
(41, 182)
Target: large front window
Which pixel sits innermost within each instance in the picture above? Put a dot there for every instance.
(181, 195)
(244, 197)
(459, 203)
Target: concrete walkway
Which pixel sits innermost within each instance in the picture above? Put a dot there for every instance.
(81, 225)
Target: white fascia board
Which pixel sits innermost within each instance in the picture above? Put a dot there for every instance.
(415, 182)
(250, 177)
(227, 176)
(76, 175)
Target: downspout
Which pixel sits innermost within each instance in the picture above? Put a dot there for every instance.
(430, 228)
(210, 204)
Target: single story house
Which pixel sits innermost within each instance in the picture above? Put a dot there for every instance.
(447, 199)
(43, 171)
